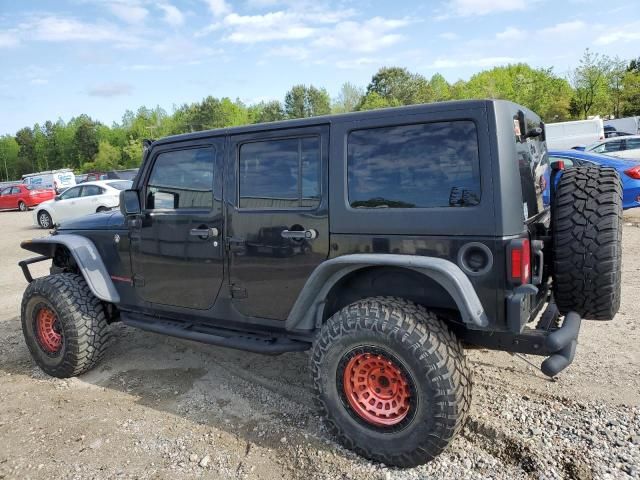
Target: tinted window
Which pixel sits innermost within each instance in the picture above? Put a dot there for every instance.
(91, 190)
(6, 191)
(613, 146)
(182, 179)
(71, 193)
(121, 185)
(633, 143)
(15, 190)
(280, 173)
(413, 166)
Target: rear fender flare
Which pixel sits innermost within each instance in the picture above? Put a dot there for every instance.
(307, 312)
(87, 258)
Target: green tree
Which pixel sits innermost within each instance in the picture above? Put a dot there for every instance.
(26, 153)
(271, 111)
(85, 140)
(589, 81)
(348, 99)
(107, 158)
(615, 82)
(631, 93)
(302, 101)
(9, 149)
(398, 86)
(440, 88)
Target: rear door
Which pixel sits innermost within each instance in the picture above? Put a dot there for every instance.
(5, 198)
(278, 230)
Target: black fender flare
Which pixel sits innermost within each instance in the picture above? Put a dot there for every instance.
(87, 258)
(307, 312)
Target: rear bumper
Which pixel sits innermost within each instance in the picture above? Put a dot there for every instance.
(548, 339)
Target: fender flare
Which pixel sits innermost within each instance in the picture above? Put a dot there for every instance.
(307, 312)
(87, 258)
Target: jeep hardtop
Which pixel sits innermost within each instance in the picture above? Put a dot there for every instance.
(385, 242)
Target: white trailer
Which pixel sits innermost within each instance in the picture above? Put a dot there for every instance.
(566, 135)
(627, 124)
(56, 179)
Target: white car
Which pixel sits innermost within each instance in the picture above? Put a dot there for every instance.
(83, 199)
(624, 147)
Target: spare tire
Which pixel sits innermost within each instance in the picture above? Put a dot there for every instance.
(587, 242)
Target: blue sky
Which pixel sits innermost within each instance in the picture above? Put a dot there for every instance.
(65, 57)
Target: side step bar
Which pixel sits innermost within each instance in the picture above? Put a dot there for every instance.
(215, 336)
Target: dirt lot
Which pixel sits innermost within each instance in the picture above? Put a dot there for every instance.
(158, 407)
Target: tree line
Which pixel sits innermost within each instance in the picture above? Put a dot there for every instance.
(599, 85)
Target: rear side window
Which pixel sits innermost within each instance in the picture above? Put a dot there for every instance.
(633, 143)
(182, 179)
(91, 190)
(282, 173)
(414, 166)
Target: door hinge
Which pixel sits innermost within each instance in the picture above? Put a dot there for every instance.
(138, 281)
(238, 292)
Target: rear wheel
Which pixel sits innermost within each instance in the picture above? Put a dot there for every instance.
(64, 324)
(391, 380)
(44, 219)
(587, 242)
(22, 206)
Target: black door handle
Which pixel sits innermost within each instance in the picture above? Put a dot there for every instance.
(299, 234)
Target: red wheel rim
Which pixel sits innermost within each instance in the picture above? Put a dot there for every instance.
(48, 330)
(377, 390)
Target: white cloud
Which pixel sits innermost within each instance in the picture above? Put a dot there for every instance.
(218, 7)
(38, 81)
(8, 39)
(564, 28)
(60, 29)
(485, 7)
(108, 90)
(294, 52)
(621, 34)
(172, 15)
(271, 26)
(511, 33)
(358, 63)
(368, 36)
(449, 36)
(483, 62)
(129, 12)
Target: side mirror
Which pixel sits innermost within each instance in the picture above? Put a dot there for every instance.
(56, 198)
(129, 202)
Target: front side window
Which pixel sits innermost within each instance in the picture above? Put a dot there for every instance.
(71, 193)
(182, 179)
(614, 146)
(633, 143)
(414, 166)
(282, 173)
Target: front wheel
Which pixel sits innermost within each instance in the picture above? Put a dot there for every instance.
(64, 324)
(391, 380)
(44, 219)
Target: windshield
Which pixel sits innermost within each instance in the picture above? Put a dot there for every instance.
(120, 185)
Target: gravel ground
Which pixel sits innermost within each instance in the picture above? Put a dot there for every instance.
(159, 407)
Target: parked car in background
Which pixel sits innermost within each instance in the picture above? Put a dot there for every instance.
(89, 197)
(95, 176)
(81, 178)
(22, 197)
(615, 133)
(55, 179)
(565, 135)
(128, 174)
(628, 170)
(624, 147)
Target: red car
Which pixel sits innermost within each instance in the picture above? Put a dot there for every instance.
(23, 197)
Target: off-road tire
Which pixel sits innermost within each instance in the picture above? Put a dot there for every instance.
(587, 242)
(82, 320)
(22, 206)
(41, 221)
(430, 354)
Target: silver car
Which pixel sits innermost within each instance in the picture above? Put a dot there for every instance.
(624, 147)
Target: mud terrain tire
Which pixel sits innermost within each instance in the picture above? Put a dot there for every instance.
(64, 325)
(587, 242)
(420, 351)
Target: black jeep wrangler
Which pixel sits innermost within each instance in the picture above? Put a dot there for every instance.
(385, 242)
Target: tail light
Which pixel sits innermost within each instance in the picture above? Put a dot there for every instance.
(633, 172)
(519, 259)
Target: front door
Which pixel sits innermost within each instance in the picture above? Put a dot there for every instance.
(176, 242)
(278, 230)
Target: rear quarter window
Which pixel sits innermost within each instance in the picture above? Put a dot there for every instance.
(422, 165)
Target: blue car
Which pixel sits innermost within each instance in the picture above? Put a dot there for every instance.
(629, 171)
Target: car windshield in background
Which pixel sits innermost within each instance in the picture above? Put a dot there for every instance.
(121, 185)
